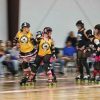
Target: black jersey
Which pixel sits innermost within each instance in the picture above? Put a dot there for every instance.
(82, 36)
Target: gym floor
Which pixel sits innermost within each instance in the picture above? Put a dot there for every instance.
(65, 89)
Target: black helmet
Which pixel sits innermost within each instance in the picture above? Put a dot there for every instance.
(38, 34)
(97, 26)
(25, 24)
(47, 30)
(89, 32)
(80, 23)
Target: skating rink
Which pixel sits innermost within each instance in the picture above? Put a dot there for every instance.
(66, 89)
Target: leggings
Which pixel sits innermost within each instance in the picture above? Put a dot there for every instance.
(83, 63)
(46, 61)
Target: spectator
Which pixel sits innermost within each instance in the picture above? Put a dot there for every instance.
(72, 38)
(68, 55)
(68, 51)
(2, 58)
(60, 61)
(14, 58)
(8, 62)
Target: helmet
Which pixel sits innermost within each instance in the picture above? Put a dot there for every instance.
(47, 30)
(25, 24)
(38, 34)
(97, 26)
(80, 23)
(89, 32)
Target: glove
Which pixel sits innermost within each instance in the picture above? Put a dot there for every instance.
(54, 56)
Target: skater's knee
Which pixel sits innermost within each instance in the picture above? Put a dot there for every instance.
(48, 66)
(33, 67)
(49, 73)
(25, 65)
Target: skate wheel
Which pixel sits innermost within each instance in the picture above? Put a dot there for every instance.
(26, 84)
(87, 81)
(33, 84)
(22, 84)
(54, 84)
(29, 84)
(77, 81)
(81, 81)
(50, 85)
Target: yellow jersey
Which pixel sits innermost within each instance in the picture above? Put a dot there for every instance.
(44, 47)
(25, 42)
(97, 37)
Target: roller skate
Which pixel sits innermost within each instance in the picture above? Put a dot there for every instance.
(51, 80)
(23, 81)
(86, 78)
(97, 79)
(54, 80)
(79, 79)
(50, 83)
(26, 74)
(92, 80)
(31, 80)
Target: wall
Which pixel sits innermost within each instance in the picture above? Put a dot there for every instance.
(3, 20)
(61, 15)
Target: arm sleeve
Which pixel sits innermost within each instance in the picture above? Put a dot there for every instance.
(33, 39)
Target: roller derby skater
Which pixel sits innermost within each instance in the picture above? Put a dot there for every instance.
(26, 44)
(45, 47)
(53, 57)
(96, 72)
(82, 39)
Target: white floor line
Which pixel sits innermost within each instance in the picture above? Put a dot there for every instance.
(10, 81)
(47, 89)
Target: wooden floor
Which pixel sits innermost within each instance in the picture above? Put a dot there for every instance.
(66, 89)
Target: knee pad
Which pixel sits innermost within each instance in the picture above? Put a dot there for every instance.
(49, 73)
(25, 65)
(33, 67)
(32, 75)
(47, 67)
(26, 72)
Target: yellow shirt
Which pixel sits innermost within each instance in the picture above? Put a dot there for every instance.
(44, 47)
(25, 43)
